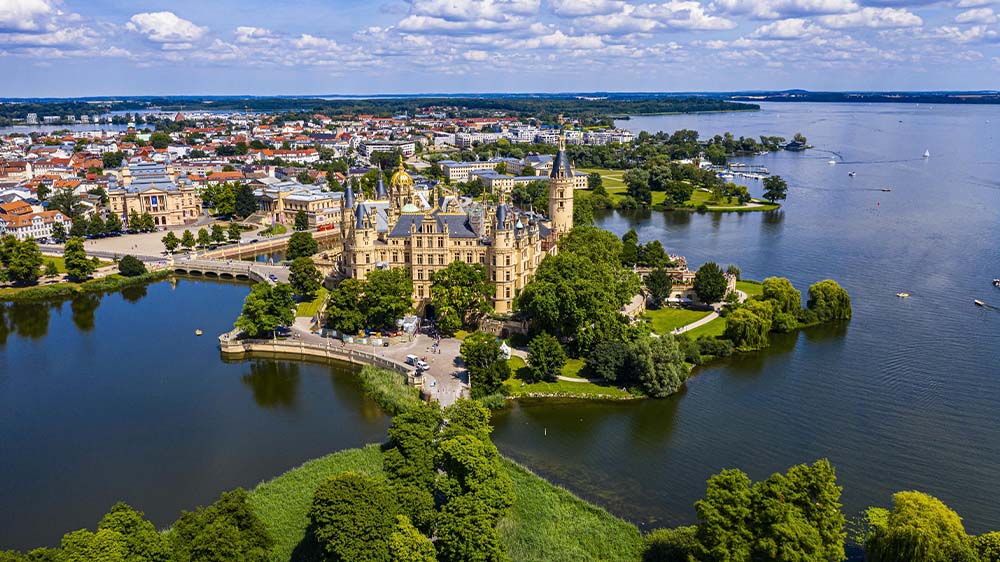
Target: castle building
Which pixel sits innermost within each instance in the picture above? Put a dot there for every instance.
(399, 227)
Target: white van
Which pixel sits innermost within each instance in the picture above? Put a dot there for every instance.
(412, 360)
(422, 366)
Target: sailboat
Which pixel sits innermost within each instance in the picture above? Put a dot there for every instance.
(927, 154)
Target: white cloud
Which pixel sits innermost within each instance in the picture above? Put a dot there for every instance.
(476, 55)
(775, 9)
(469, 10)
(873, 17)
(792, 28)
(977, 15)
(575, 8)
(166, 28)
(973, 34)
(647, 18)
(246, 34)
(67, 38)
(27, 15)
(973, 3)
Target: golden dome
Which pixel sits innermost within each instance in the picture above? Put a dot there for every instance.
(400, 178)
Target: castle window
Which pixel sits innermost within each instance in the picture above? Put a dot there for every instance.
(508, 292)
(368, 258)
(507, 275)
(440, 259)
(440, 242)
(420, 292)
(420, 243)
(395, 257)
(468, 257)
(420, 275)
(420, 259)
(507, 260)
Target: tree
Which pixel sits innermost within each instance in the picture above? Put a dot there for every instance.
(596, 244)
(22, 259)
(484, 360)
(170, 241)
(43, 192)
(227, 530)
(388, 295)
(266, 308)
(659, 283)
(723, 515)
(775, 188)
(301, 221)
(51, 269)
(749, 325)
(204, 238)
(129, 266)
(583, 215)
(78, 267)
(68, 203)
(112, 159)
(96, 226)
(461, 294)
(409, 455)
(658, 363)
(134, 220)
(304, 278)
(218, 234)
(829, 301)
(123, 534)
(919, 527)
(528, 171)
(630, 248)
(710, 283)
(467, 533)
(113, 225)
(80, 227)
(407, 544)
(58, 232)
(146, 223)
(988, 547)
(159, 140)
(245, 204)
(637, 182)
(234, 232)
(670, 545)
(343, 310)
(546, 357)
(786, 298)
(301, 245)
(187, 240)
(352, 517)
(734, 270)
(594, 181)
(607, 361)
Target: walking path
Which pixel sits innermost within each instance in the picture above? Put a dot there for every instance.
(696, 323)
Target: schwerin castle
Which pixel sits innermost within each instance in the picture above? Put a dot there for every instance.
(424, 232)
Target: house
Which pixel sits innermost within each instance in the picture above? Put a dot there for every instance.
(32, 225)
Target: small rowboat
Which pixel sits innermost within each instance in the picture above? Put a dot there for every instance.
(198, 332)
(979, 302)
(903, 295)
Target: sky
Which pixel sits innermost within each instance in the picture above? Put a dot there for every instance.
(68, 48)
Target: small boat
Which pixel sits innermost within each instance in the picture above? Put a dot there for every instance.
(979, 302)
(852, 174)
(996, 283)
(198, 332)
(927, 154)
(832, 162)
(903, 295)
(886, 189)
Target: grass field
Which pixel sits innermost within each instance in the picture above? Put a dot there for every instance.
(665, 320)
(516, 386)
(715, 328)
(546, 524)
(612, 178)
(309, 309)
(751, 288)
(698, 198)
(61, 263)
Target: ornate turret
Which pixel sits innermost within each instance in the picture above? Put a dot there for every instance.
(401, 185)
(380, 193)
(561, 191)
(349, 198)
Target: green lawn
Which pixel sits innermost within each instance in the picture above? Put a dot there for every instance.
(517, 387)
(752, 289)
(611, 178)
(699, 197)
(274, 230)
(665, 320)
(61, 263)
(546, 524)
(715, 328)
(310, 308)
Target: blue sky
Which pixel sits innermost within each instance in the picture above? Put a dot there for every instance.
(149, 47)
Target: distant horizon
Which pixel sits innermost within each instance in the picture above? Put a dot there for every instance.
(464, 94)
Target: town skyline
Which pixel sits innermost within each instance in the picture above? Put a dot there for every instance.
(71, 48)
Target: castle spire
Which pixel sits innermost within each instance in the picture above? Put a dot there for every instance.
(380, 192)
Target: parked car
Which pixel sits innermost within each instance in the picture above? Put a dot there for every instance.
(422, 366)
(273, 277)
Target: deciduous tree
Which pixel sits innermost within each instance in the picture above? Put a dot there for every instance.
(301, 245)
(78, 266)
(546, 357)
(710, 283)
(487, 367)
(304, 277)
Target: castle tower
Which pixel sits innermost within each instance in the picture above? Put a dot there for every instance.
(561, 191)
(359, 245)
(401, 185)
(504, 261)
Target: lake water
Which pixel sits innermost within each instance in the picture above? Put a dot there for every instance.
(115, 398)
(905, 396)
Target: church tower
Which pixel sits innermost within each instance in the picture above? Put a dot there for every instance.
(561, 191)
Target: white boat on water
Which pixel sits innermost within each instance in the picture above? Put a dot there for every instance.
(927, 154)
(832, 162)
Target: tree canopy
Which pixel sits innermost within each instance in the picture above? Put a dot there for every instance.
(266, 308)
(710, 283)
(461, 295)
(485, 363)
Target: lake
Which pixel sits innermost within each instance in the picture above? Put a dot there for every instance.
(905, 396)
(114, 398)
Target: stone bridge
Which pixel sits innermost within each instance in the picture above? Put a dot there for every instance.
(230, 269)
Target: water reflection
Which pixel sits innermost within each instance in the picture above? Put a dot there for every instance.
(134, 294)
(274, 385)
(29, 320)
(83, 308)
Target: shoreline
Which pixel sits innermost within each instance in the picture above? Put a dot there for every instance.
(108, 284)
